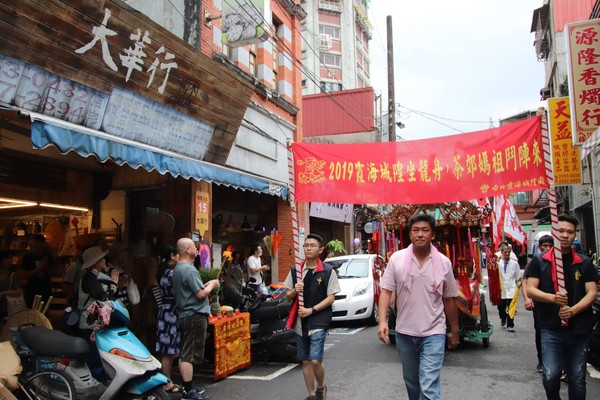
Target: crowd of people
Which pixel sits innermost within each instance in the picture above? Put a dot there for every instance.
(419, 281)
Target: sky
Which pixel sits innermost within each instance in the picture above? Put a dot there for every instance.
(461, 60)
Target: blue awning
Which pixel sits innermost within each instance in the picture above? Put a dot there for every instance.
(85, 142)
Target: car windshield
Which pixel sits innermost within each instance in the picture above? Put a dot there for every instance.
(352, 268)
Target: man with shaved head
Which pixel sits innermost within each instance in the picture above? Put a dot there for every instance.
(191, 297)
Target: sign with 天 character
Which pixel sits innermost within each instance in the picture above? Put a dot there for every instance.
(472, 165)
(583, 57)
(565, 156)
(245, 22)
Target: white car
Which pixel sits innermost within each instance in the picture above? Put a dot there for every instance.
(359, 276)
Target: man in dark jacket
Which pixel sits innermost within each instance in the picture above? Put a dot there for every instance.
(319, 284)
(565, 317)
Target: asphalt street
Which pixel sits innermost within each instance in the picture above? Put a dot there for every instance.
(359, 366)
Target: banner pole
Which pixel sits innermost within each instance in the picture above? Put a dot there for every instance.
(560, 276)
(295, 228)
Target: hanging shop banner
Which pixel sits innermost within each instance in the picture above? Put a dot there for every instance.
(583, 57)
(566, 158)
(486, 163)
(202, 212)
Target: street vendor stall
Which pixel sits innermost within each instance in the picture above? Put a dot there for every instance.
(460, 235)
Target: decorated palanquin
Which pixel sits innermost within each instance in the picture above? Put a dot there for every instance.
(232, 343)
(460, 235)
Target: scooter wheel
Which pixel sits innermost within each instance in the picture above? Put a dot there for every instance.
(155, 394)
(48, 385)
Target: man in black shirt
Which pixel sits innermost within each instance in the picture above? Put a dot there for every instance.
(35, 268)
(565, 344)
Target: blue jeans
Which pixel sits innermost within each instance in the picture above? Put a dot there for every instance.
(422, 359)
(311, 347)
(564, 350)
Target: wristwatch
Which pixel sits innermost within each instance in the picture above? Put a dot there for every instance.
(314, 310)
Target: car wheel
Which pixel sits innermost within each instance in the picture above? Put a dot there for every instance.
(374, 318)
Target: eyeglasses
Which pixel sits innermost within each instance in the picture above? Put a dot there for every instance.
(310, 246)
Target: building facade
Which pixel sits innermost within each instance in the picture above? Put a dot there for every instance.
(550, 45)
(335, 48)
(136, 115)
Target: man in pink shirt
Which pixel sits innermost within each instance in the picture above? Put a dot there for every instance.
(425, 288)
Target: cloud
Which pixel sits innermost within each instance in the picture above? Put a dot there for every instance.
(464, 60)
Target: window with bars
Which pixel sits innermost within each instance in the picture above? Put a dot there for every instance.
(332, 31)
(331, 59)
(327, 87)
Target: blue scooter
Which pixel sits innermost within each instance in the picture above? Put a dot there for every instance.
(132, 370)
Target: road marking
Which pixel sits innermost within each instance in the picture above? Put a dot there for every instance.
(275, 374)
(269, 377)
(594, 373)
(345, 331)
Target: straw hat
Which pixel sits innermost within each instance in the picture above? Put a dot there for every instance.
(91, 256)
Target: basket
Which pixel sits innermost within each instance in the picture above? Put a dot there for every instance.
(23, 318)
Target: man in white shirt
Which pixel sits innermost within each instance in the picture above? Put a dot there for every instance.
(509, 275)
(255, 268)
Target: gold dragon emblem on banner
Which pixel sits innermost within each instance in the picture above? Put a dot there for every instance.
(313, 171)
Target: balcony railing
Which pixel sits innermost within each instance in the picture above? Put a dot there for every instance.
(331, 5)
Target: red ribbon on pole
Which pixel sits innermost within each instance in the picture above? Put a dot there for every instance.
(558, 262)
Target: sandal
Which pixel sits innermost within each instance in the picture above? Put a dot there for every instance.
(174, 389)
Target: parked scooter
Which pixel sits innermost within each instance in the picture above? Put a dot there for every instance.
(133, 372)
(268, 317)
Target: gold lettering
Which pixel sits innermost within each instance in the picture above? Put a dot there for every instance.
(471, 165)
(458, 168)
(411, 171)
(437, 170)
(484, 164)
(524, 158)
(510, 154)
(397, 171)
(384, 172)
(497, 163)
(424, 171)
(360, 178)
(373, 173)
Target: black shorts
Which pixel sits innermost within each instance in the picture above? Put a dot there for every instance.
(193, 336)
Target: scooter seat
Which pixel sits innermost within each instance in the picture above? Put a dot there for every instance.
(53, 343)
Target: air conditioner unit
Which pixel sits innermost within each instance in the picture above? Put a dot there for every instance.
(545, 93)
(325, 41)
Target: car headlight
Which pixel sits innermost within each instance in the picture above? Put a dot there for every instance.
(361, 289)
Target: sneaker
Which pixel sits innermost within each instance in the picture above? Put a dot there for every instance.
(310, 398)
(193, 395)
(502, 322)
(321, 394)
(538, 368)
(199, 389)
(511, 329)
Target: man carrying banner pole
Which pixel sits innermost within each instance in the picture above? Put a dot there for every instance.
(564, 344)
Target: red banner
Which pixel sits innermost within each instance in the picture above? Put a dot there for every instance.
(472, 165)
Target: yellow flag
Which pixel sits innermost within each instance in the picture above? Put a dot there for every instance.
(512, 308)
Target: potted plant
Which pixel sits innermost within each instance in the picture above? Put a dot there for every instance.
(209, 275)
(335, 247)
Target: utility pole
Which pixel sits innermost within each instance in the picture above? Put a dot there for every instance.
(391, 96)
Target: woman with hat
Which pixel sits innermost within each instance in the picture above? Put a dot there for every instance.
(91, 289)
